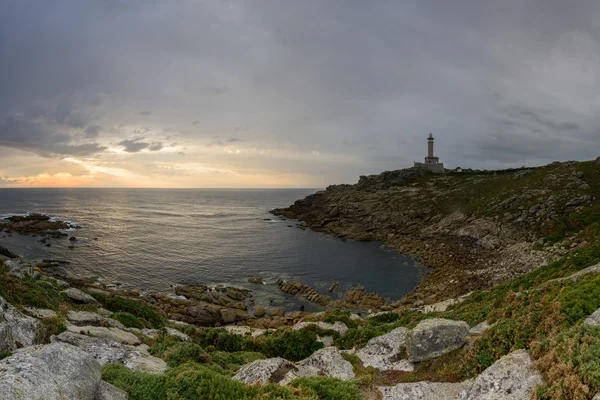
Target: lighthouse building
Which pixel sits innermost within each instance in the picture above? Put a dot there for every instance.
(432, 163)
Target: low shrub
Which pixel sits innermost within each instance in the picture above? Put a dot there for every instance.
(175, 352)
(222, 340)
(129, 320)
(326, 388)
(289, 344)
(139, 385)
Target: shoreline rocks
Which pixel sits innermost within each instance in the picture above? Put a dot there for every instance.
(303, 290)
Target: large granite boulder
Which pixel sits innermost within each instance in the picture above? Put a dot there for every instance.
(324, 362)
(510, 378)
(17, 329)
(82, 318)
(432, 338)
(54, 372)
(108, 351)
(423, 391)
(264, 371)
(383, 352)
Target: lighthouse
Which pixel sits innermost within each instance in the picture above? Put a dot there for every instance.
(432, 163)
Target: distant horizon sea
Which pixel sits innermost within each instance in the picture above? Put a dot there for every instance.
(151, 239)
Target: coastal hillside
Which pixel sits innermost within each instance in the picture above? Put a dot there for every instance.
(475, 229)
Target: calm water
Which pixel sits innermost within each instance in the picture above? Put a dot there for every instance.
(151, 239)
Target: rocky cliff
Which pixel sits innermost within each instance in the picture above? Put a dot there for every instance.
(474, 228)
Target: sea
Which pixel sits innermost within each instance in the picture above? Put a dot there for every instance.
(153, 239)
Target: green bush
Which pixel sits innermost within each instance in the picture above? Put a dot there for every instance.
(175, 352)
(139, 385)
(326, 388)
(129, 320)
(52, 326)
(234, 361)
(222, 340)
(139, 310)
(289, 344)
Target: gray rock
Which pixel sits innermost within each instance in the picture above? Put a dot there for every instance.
(40, 313)
(324, 362)
(114, 334)
(178, 334)
(510, 378)
(54, 372)
(423, 391)
(104, 312)
(337, 326)
(87, 318)
(106, 391)
(382, 352)
(593, 319)
(264, 371)
(432, 338)
(108, 351)
(62, 284)
(596, 397)
(479, 328)
(326, 340)
(17, 329)
(79, 297)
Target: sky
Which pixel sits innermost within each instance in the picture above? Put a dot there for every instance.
(287, 93)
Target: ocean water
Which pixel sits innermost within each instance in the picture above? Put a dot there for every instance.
(155, 238)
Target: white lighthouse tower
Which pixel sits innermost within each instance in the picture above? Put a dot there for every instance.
(432, 163)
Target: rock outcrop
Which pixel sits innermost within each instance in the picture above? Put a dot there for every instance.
(109, 351)
(17, 329)
(303, 290)
(271, 370)
(423, 391)
(383, 352)
(57, 371)
(324, 362)
(434, 337)
(337, 326)
(512, 377)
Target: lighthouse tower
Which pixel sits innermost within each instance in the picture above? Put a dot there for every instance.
(432, 163)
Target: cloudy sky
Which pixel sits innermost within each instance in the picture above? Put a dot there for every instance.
(287, 93)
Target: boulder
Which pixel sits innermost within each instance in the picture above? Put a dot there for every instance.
(256, 281)
(106, 391)
(324, 362)
(109, 351)
(79, 297)
(57, 371)
(114, 334)
(479, 328)
(7, 253)
(434, 337)
(90, 318)
(17, 329)
(337, 326)
(383, 352)
(40, 313)
(512, 377)
(303, 290)
(264, 371)
(593, 319)
(259, 312)
(423, 391)
(178, 334)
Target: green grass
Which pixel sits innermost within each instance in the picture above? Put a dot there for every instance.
(130, 321)
(326, 388)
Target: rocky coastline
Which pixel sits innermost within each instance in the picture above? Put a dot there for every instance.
(510, 309)
(474, 229)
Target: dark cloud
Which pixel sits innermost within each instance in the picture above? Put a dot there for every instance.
(92, 131)
(234, 140)
(137, 144)
(145, 113)
(39, 138)
(133, 145)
